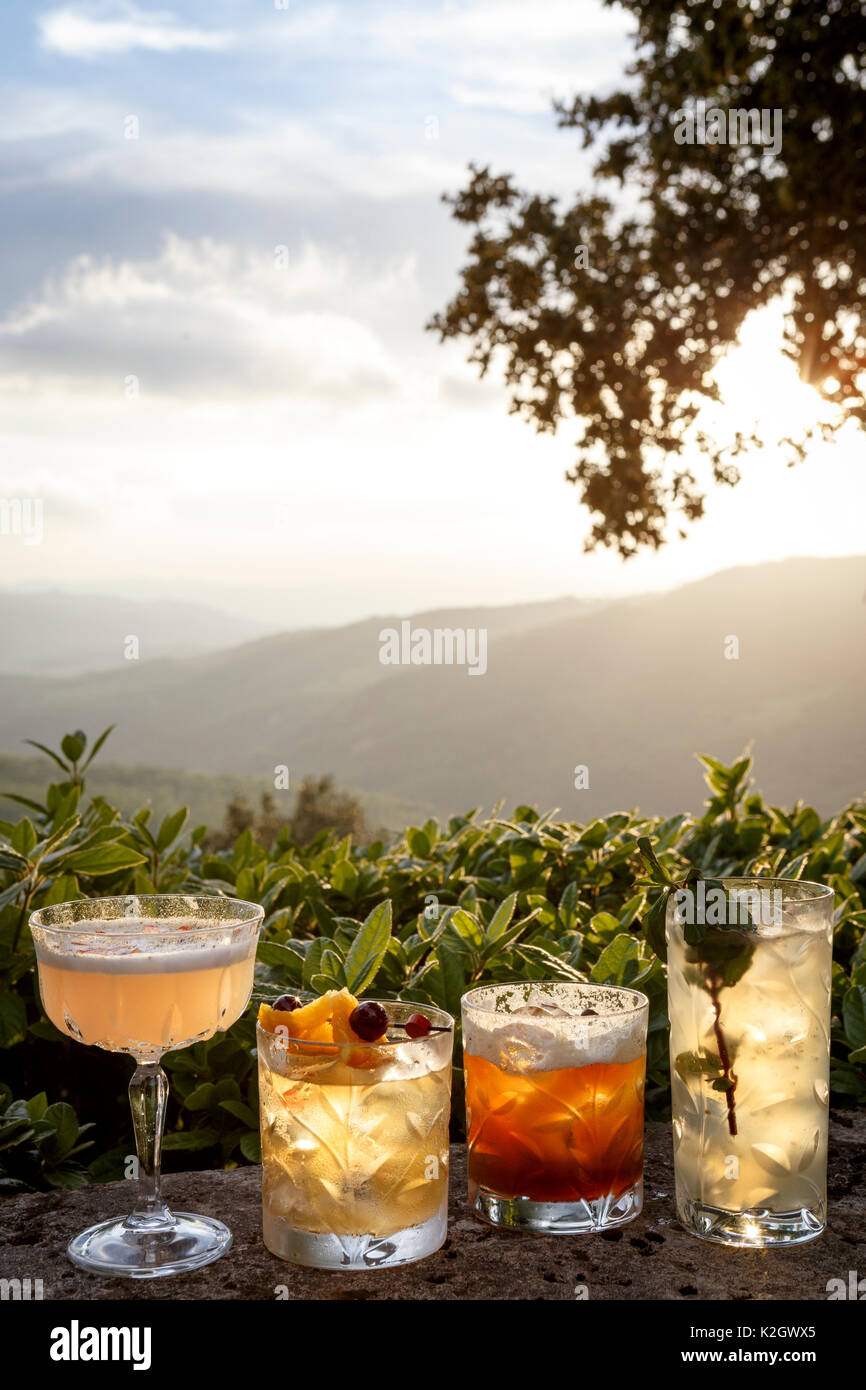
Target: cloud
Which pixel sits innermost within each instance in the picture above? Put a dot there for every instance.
(62, 137)
(89, 31)
(323, 100)
(204, 319)
(509, 56)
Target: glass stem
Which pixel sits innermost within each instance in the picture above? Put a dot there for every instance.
(148, 1092)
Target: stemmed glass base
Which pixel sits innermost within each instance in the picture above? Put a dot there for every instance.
(152, 1241)
(119, 1248)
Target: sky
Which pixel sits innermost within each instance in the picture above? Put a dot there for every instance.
(221, 236)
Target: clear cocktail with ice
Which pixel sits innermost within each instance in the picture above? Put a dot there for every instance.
(749, 1002)
(355, 1103)
(554, 1104)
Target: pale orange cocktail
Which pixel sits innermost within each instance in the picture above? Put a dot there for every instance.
(144, 974)
(150, 995)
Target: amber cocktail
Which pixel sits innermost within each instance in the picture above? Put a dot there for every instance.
(554, 1103)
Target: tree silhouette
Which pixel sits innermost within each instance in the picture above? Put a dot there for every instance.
(319, 805)
(624, 335)
(322, 806)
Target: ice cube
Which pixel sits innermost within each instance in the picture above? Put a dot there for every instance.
(523, 1046)
(540, 1011)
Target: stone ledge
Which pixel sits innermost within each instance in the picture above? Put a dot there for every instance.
(649, 1259)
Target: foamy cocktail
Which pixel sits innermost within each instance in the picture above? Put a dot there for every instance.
(143, 975)
(147, 993)
(554, 1104)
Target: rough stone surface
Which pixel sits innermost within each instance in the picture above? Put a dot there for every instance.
(650, 1258)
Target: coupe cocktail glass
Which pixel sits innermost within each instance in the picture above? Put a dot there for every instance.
(554, 1104)
(144, 975)
(355, 1144)
(749, 1003)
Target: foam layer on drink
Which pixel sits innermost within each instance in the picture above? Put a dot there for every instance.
(542, 1036)
(136, 946)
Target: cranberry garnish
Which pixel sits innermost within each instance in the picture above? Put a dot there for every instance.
(369, 1021)
(287, 1003)
(417, 1025)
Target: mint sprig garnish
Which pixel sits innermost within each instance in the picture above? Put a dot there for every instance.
(722, 952)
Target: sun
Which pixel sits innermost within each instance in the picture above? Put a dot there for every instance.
(760, 386)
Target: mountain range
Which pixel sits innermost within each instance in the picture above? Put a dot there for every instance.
(56, 633)
(771, 655)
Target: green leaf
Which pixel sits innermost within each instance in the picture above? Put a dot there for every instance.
(24, 837)
(630, 911)
(190, 1140)
(595, 835)
(246, 885)
(689, 1065)
(525, 859)
(37, 1106)
(73, 745)
(560, 969)
(43, 810)
(62, 831)
(613, 963)
(13, 1019)
(344, 877)
(66, 1178)
(50, 753)
(332, 967)
(171, 828)
(240, 1112)
(97, 745)
(368, 949)
(568, 907)
(63, 889)
(418, 843)
(451, 976)
(321, 984)
(312, 961)
(10, 859)
(251, 1147)
(605, 926)
(653, 925)
(462, 924)
(651, 864)
(64, 1122)
(213, 867)
(854, 1016)
(501, 919)
(105, 859)
(202, 1098)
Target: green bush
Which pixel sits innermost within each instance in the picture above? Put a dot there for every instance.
(423, 918)
(38, 1143)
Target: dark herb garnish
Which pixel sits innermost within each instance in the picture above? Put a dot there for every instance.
(722, 952)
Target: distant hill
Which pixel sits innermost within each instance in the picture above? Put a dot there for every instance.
(238, 710)
(207, 794)
(631, 689)
(63, 634)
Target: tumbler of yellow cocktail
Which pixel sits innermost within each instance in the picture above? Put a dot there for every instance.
(143, 975)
